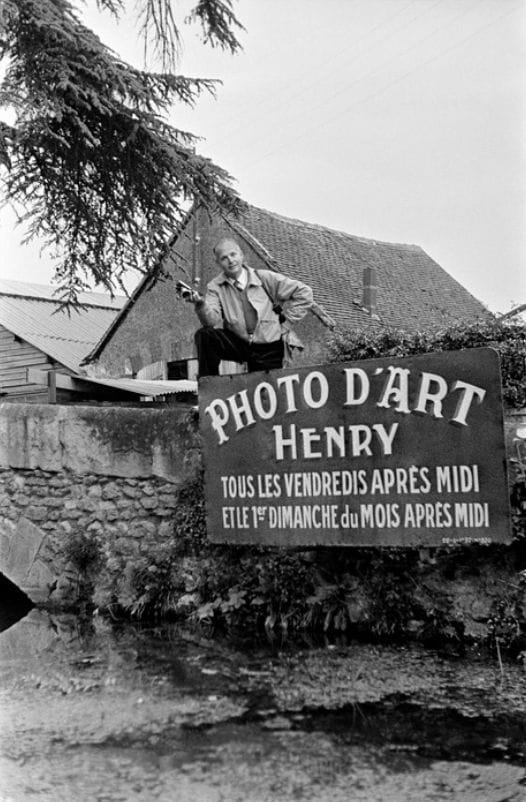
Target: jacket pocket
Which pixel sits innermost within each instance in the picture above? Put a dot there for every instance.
(268, 330)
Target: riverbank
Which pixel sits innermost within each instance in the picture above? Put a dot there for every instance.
(103, 711)
(460, 595)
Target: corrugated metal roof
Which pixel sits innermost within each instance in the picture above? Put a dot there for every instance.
(49, 293)
(145, 387)
(65, 338)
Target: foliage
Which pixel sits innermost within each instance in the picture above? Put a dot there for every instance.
(518, 487)
(84, 552)
(384, 592)
(90, 162)
(509, 339)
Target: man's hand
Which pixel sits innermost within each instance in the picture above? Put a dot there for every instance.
(187, 293)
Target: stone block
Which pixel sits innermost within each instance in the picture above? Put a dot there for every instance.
(168, 500)
(149, 503)
(21, 500)
(89, 505)
(149, 528)
(106, 506)
(21, 555)
(54, 502)
(111, 491)
(165, 530)
(57, 481)
(105, 441)
(71, 514)
(131, 492)
(19, 483)
(123, 503)
(36, 513)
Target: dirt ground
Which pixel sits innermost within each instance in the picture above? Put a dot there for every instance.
(110, 712)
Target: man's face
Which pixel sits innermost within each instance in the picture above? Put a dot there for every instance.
(229, 257)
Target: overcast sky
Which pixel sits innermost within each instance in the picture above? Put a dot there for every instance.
(398, 120)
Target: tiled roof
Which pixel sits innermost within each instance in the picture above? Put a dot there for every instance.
(414, 292)
(31, 313)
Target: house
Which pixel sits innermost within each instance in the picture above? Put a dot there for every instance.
(36, 336)
(357, 282)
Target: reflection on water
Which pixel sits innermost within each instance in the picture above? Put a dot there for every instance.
(95, 709)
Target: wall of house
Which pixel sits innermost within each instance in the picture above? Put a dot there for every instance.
(104, 474)
(160, 326)
(16, 356)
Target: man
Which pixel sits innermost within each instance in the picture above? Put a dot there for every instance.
(247, 314)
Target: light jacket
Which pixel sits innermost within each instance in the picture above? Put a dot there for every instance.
(222, 306)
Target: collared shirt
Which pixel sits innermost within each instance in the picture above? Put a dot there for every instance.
(241, 280)
(222, 304)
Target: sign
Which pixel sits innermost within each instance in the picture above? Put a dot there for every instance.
(381, 452)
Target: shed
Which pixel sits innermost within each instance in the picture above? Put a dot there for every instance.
(35, 332)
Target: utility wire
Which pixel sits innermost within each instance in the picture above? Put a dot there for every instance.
(386, 87)
(378, 70)
(275, 104)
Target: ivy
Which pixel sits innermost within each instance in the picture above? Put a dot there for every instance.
(507, 338)
(381, 592)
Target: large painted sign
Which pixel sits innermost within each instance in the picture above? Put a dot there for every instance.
(406, 451)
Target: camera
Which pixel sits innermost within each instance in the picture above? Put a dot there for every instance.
(184, 290)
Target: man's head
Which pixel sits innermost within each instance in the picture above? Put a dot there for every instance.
(229, 257)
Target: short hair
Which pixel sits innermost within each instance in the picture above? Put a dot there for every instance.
(225, 239)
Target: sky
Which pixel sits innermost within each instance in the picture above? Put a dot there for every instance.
(396, 120)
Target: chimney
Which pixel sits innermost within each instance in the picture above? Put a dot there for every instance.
(369, 289)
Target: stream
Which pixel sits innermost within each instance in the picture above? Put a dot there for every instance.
(110, 711)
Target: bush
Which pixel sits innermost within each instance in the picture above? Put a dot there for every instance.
(382, 592)
(508, 339)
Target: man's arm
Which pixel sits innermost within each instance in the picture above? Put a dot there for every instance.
(208, 308)
(295, 296)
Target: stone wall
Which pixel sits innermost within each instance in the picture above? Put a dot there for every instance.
(74, 476)
(84, 482)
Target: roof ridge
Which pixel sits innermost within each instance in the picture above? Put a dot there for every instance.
(318, 227)
(63, 339)
(80, 306)
(12, 288)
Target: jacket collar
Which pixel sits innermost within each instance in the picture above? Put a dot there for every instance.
(253, 277)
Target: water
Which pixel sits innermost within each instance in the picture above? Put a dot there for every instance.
(103, 710)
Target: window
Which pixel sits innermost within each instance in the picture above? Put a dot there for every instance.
(177, 369)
